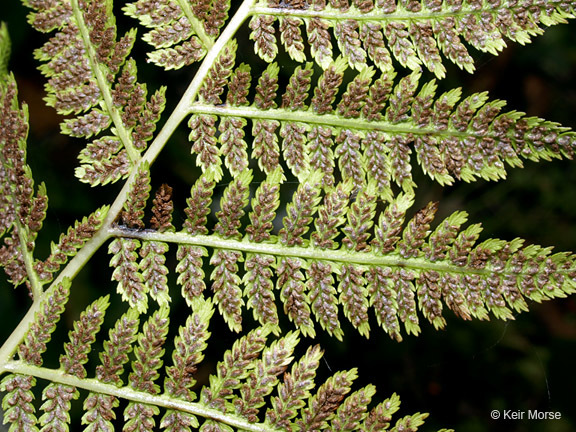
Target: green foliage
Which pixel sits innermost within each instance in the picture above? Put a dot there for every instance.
(300, 206)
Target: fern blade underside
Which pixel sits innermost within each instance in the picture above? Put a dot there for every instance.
(343, 123)
(415, 34)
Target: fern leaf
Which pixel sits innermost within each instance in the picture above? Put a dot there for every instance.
(191, 275)
(154, 271)
(234, 368)
(58, 397)
(294, 389)
(130, 281)
(352, 412)
(70, 243)
(17, 406)
(44, 324)
(99, 408)
(416, 34)
(322, 406)
(22, 210)
(338, 120)
(263, 378)
(371, 134)
(340, 251)
(90, 76)
(259, 267)
(149, 352)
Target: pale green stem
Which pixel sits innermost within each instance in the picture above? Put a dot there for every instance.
(332, 120)
(311, 253)
(28, 257)
(104, 85)
(96, 386)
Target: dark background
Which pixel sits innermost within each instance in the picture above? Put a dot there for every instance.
(458, 375)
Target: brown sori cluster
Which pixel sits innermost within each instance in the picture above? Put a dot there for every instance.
(130, 281)
(331, 216)
(133, 212)
(327, 399)
(292, 37)
(190, 273)
(226, 286)
(264, 205)
(40, 332)
(260, 288)
(188, 353)
(355, 97)
(417, 230)
(117, 348)
(58, 397)
(154, 270)
(291, 285)
(319, 41)
(205, 144)
(327, 88)
(360, 221)
(346, 33)
(199, 205)
(263, 34)
(239, 86)
(233, 144)
(162, 208)
(322, 297)
(215, 82)
(232, 205)
(353, 297)
(80, 84)
(149, 353)
(189, 268)
(300, 212)
(422, 269)
(17, 404)
(82, 338)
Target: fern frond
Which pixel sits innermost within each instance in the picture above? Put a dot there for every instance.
(22, 209)
(252, 375)
(345, 245)
(58, 397)
(338, 252)
(90, 76)
(372, 132)
(415, 34)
